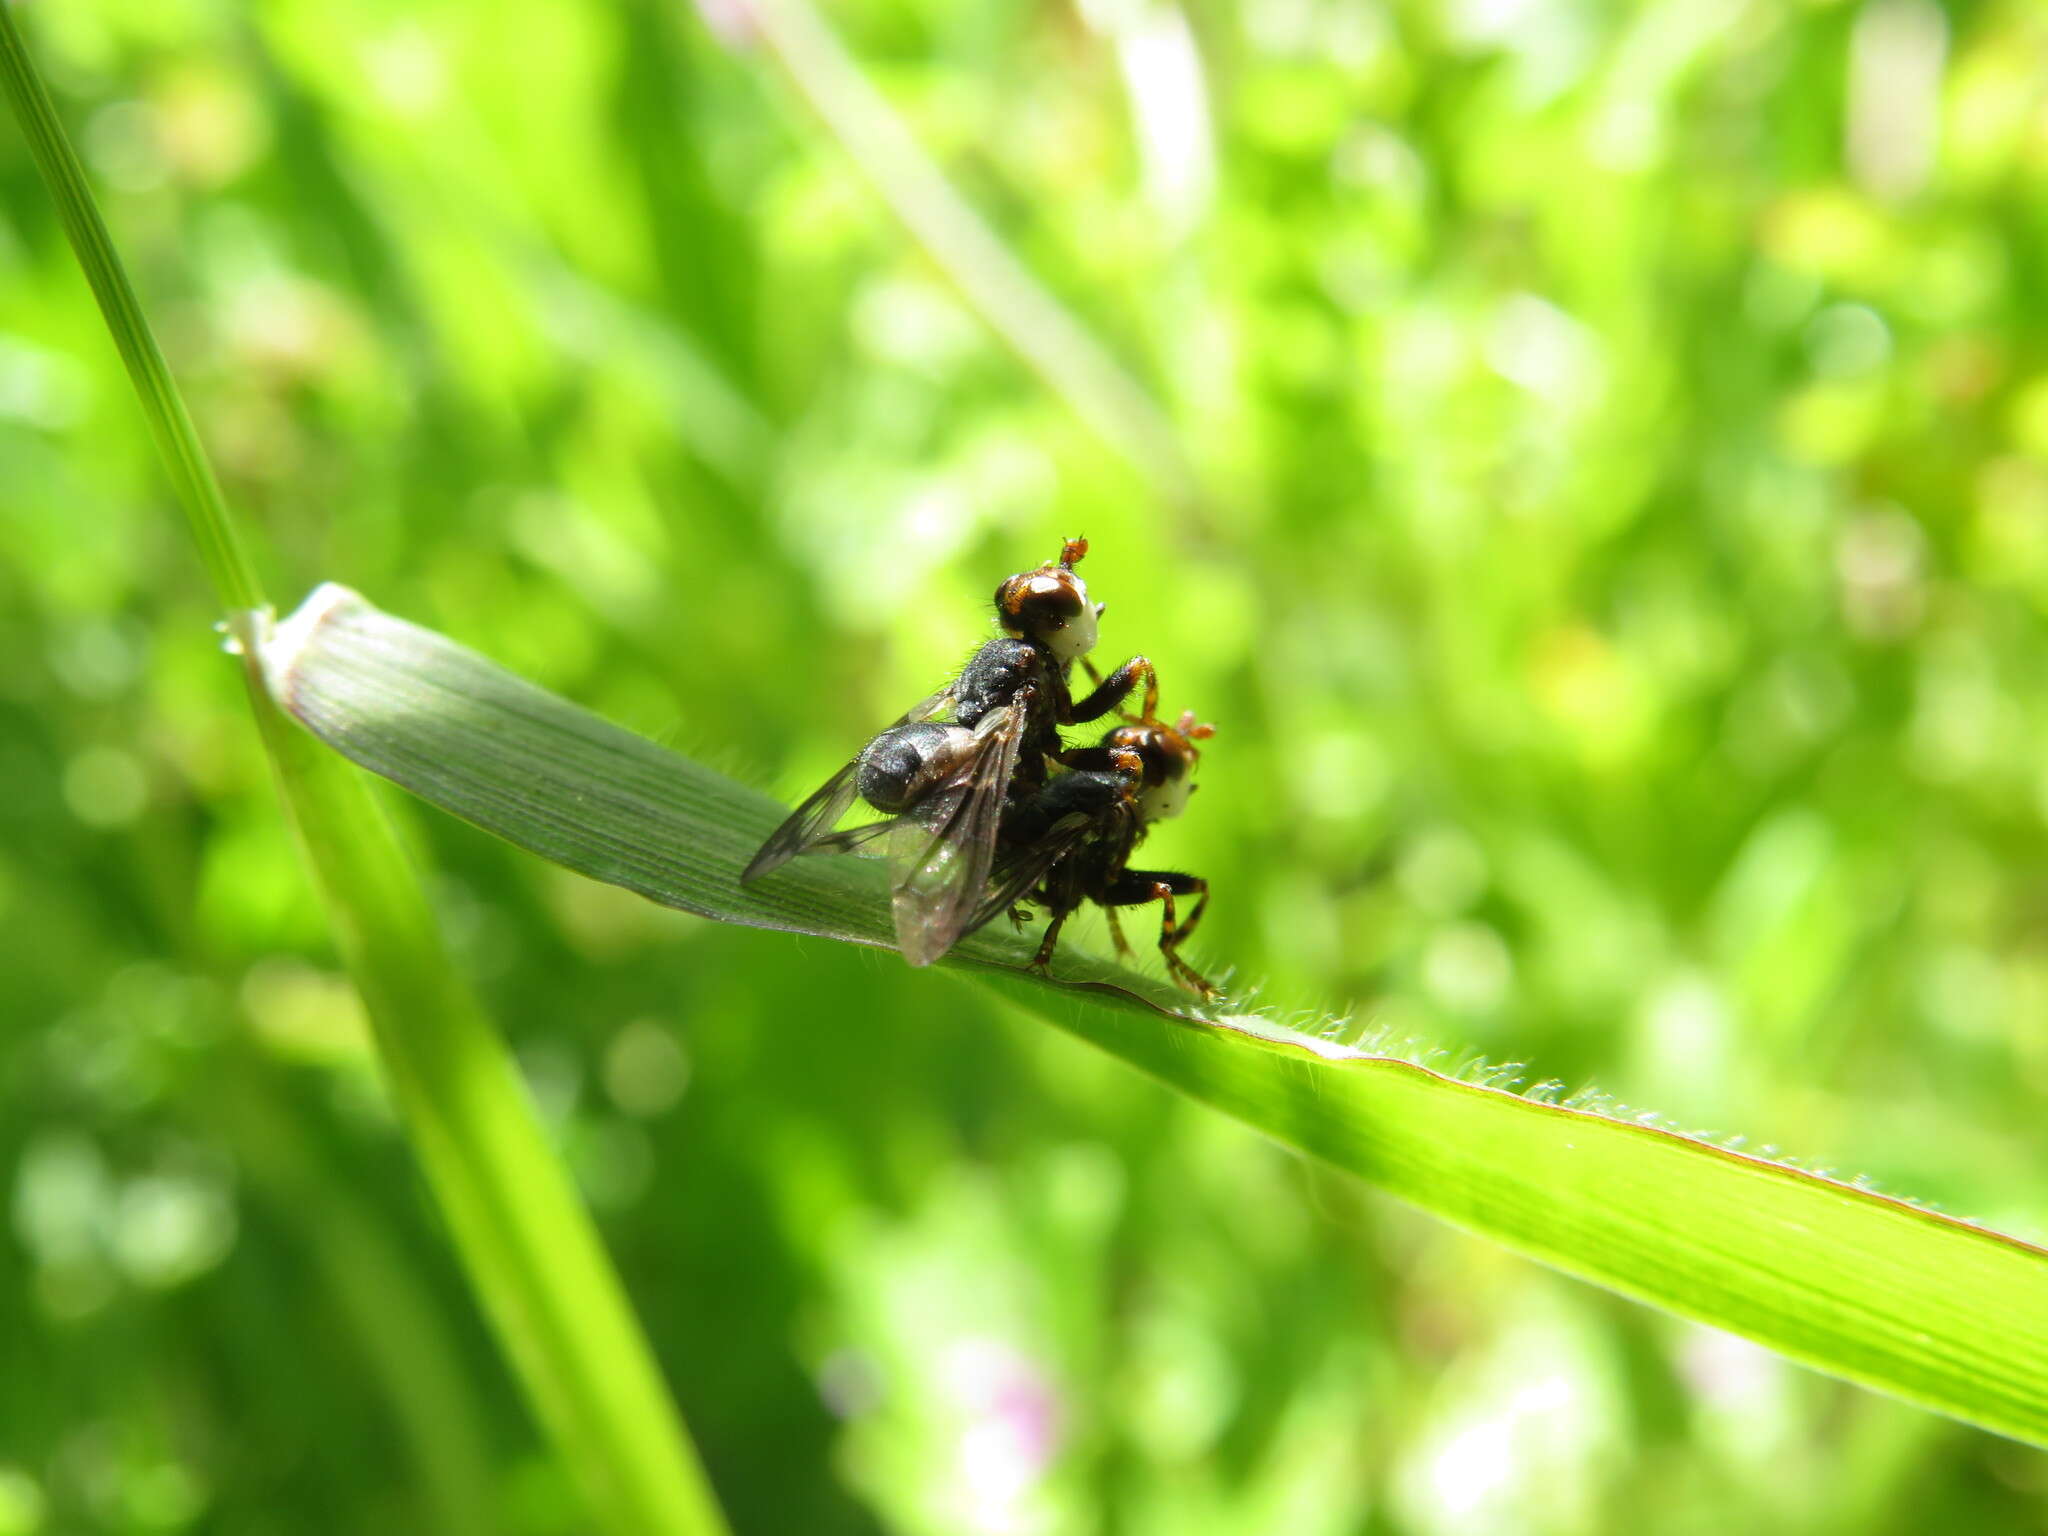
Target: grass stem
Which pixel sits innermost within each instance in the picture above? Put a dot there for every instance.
(1029, 319)
(531, 1250)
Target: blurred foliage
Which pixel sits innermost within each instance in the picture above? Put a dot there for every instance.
(1619, 585)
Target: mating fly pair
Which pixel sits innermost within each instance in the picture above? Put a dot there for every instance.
(986, 808)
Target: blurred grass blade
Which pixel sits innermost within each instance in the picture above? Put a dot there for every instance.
(190, 470)
(531, 1250)
(530, 1247)
(1015, 304)
(1934, 1310)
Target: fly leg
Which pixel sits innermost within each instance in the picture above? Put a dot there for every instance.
(1151, 689)
(1042, 961)
(1118, 760)
(1113, 690)
(1116, 934)
(1093, 759)
(1136, 887)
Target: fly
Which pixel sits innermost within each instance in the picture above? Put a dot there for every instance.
(948, 770)
(1072, 840)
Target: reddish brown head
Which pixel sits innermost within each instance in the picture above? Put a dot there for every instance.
(1050, 605)
(1168, 754)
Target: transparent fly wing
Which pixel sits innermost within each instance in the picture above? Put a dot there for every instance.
(855, 839)
(1018, 872)
(940, 852)
(809, 827)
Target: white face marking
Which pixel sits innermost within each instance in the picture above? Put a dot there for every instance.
(1077, 637)
(1163, 801)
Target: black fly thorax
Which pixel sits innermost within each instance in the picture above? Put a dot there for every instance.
(995, 675)
(1008, 672)
(1083, 793)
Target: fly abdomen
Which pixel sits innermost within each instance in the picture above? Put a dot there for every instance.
(901, 766)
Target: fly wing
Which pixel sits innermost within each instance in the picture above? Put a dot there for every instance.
(941, 852)
(810, 825)
(806, 827)
(855, 839)
(1018, 871)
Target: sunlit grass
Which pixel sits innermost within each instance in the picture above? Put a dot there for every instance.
(1620, 602)
(528, 1245)
(1861, 1284)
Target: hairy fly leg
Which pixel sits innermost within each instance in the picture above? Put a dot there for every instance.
(1116, 934)
(1112, 690)
(1137, 887)
(1042, 961)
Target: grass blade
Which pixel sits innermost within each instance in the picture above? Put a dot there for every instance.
(184, 458)
(1034, 324)
(1937, 1311)
(531, 1250)
(529, 1245)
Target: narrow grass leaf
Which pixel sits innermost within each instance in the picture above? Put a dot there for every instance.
(1041, 330)
(1934, 1310)
(531, 1249)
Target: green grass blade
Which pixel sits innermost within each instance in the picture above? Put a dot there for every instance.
(1937, 1311)
(190, 470)
(530, 1247)
(401, 1335)
(1034, 324)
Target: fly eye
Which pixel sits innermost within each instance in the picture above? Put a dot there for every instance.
(1041, 601)
(1054, 596)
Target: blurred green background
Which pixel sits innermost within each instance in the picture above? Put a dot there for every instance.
(1608, 526)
